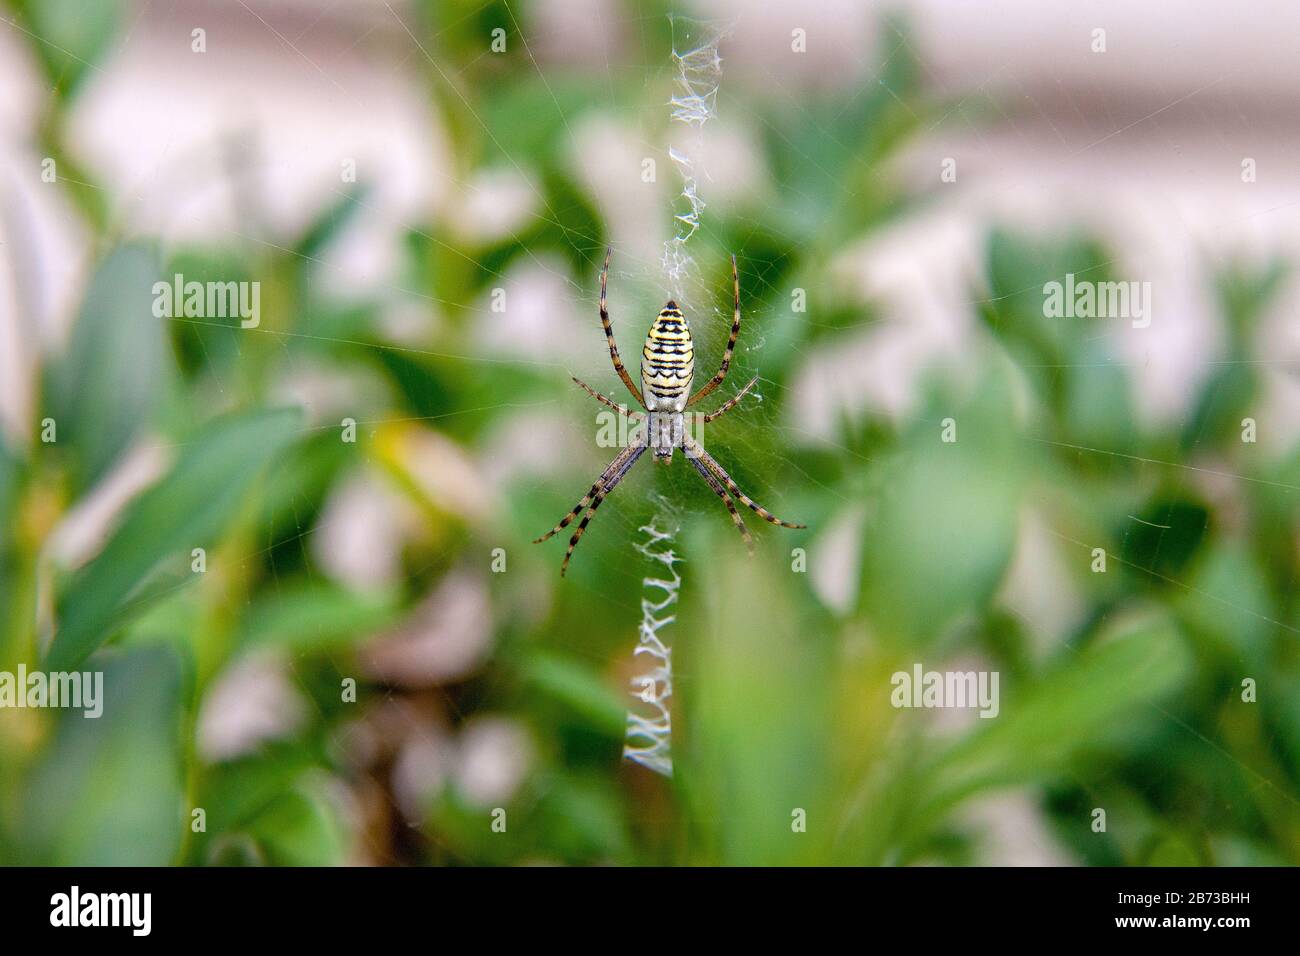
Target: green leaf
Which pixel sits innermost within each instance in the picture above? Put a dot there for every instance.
(946, 517)
(302, 828)
(71, 36)
(11, 574)
(188, 509)
(1098, 409)
(1227, 599)
(111, 381)
(235, 793)
(1171, 850)
(1169, 533)
(1095, 701)
(1232, 850)
(330, 223)
(1245, 291)
(310, 617)
(108, 790)
(580, 820)
(1227, 397)
(1061, 356)
(757, 703)
(580, 689)
(212, 343)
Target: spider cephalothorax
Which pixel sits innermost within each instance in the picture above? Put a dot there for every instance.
(667, 369)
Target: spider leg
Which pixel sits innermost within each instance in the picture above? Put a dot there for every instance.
(600, 496)
(609, 334)
(726, 499)
(603, 484)
(714, 382)
(730, 403)
(622, 410)
(693, 448)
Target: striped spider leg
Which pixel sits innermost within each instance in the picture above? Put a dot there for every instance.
(694, 448)
(609, 334)
(730, 403)
(718, 378)
(603, 486)
(713, 482)
(726, 500)
(705, 463)
(621, 409)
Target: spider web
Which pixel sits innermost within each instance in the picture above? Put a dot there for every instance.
(636, 291)
(709, 323)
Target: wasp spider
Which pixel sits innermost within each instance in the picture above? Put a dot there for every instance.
(667, 367)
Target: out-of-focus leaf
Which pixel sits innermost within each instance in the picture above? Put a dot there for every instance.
(1098, 410)
(1236, 851)
(1227, 397)
(530, 118)
(1230, 394)
(579, 689)
(318, 616)
(108, 790)
(187, 509)
(331, 222)
(236, 792)
(1245, 291)
(946, 518)
(72, 35)
(1059, 354)
(1227, 598)
(1163, 537)
(580, 820)
(1170, 849)
(421, 381)
(1087, 704)
(1282, 703)
(10, 577)
(827, 152)
(210, 343)
(301, 828)
(296, 486)
(117, 367)
(759, 716)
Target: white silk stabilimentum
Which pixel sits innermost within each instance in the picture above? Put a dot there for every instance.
(697, 73)
(650, 728)
(694, 102)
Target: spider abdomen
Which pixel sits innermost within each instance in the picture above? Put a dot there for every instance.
(668, 361)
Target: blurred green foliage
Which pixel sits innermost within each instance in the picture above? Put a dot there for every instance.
(782, 701)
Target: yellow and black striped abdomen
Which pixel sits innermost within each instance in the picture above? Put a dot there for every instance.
(668, 361)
